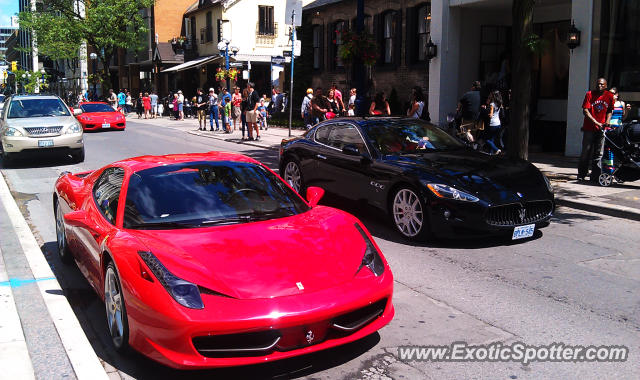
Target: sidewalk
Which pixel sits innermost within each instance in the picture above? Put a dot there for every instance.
(619, 200)
(40, 336)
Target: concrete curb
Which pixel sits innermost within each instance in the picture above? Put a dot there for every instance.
(83, 358)
(245, 142)
(601, 208)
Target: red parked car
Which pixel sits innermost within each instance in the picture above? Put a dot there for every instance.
(211, 260)
(99, 115)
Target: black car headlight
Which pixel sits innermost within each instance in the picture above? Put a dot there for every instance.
(371, 258)
(547, 182)
(448, 192)
(184, 292)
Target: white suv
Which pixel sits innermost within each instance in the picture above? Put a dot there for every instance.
(39, 122)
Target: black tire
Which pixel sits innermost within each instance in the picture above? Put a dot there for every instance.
(408, 214)
(61, 236)
(78, 155)
(115, 310)
(7, 159)
(292, 173)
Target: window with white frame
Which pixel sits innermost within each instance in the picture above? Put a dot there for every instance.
(389, 31)
(424, 30)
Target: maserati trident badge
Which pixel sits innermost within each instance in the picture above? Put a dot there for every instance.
(310, 337)
(522, 213)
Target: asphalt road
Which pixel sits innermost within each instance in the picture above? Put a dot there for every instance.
(576, 282)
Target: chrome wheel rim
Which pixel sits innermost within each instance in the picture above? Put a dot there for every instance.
(292, 175)
(407, 213)
(60, 234)
(113, 304)
(605, 179)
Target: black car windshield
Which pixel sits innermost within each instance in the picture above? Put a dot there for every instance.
(407, 137)
(37, 107)
(207, 193)
(99, 107)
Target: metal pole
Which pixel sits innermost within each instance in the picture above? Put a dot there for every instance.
(293, 39)
(95, 79)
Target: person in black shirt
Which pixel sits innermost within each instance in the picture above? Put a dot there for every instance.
(201, 106)
(252, 105)
(469, 111)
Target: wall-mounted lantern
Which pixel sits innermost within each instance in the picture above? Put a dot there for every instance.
(432, 50)
(573, 37)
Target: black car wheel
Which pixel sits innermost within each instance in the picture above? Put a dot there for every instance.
(116, 312)
(61, 237)
(408, 214)
(293, 174)
(78, 155)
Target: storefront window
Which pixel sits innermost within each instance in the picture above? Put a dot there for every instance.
(620, 44)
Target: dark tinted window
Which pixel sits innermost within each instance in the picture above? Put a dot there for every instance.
(96, 108)
(346, 134)
(394, 137)
(207, 193)
(106, 192)
(322, 134)
(20, 108)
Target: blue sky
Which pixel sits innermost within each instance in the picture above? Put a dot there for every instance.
(7, 9)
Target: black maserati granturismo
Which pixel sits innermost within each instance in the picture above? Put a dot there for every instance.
(427, 182)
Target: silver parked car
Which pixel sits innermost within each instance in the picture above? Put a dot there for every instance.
(39, 122)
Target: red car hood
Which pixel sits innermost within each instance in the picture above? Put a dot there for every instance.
(318, 249)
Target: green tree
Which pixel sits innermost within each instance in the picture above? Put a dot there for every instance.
(60, 28)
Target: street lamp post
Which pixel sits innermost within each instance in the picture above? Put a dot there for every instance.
(94, 59)
(223, 46)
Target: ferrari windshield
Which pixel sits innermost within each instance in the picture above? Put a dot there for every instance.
(207, 193)
(36, 107)
(96, 107)
(407, 137)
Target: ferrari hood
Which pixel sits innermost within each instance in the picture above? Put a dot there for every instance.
(280, 257)
(492, 178)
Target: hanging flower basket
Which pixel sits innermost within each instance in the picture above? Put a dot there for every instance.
(222, 74)
(358, 45)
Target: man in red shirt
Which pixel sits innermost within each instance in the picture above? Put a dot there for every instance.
(597, 108)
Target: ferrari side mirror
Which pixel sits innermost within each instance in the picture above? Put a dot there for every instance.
(314, 194)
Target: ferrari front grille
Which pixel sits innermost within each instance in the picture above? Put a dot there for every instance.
(38, 131)
(517, 214)
(357, 319)
(243, 344)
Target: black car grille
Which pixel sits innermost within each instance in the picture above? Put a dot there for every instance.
(516, 213)
(261, 343)
(36, 131)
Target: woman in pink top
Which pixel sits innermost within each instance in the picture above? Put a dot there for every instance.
(236, 102)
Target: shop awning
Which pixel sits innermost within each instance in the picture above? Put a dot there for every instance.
(193, 64)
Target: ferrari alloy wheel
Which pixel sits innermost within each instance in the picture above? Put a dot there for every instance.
(293, 175)
(116, 311)
(605, 179)
(61, 237)
(408, 214)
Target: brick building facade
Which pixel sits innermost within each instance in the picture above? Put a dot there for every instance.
(397, 26)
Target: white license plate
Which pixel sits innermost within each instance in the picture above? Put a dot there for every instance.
(106, 125)
(45, 143)
(522, 232)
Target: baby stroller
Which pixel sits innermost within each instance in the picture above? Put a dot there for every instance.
(621, 156)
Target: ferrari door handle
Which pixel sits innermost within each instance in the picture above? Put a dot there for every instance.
(321, 157)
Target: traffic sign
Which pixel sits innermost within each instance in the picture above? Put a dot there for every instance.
(286, 53)
(278, 60)
(236, 64)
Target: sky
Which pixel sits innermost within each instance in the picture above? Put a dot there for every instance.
(7, 9)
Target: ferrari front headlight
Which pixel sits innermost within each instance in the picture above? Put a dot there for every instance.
(184, 292)
(371, 258)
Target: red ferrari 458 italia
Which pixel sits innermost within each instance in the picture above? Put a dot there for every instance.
(211, 260)
(98, 115)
